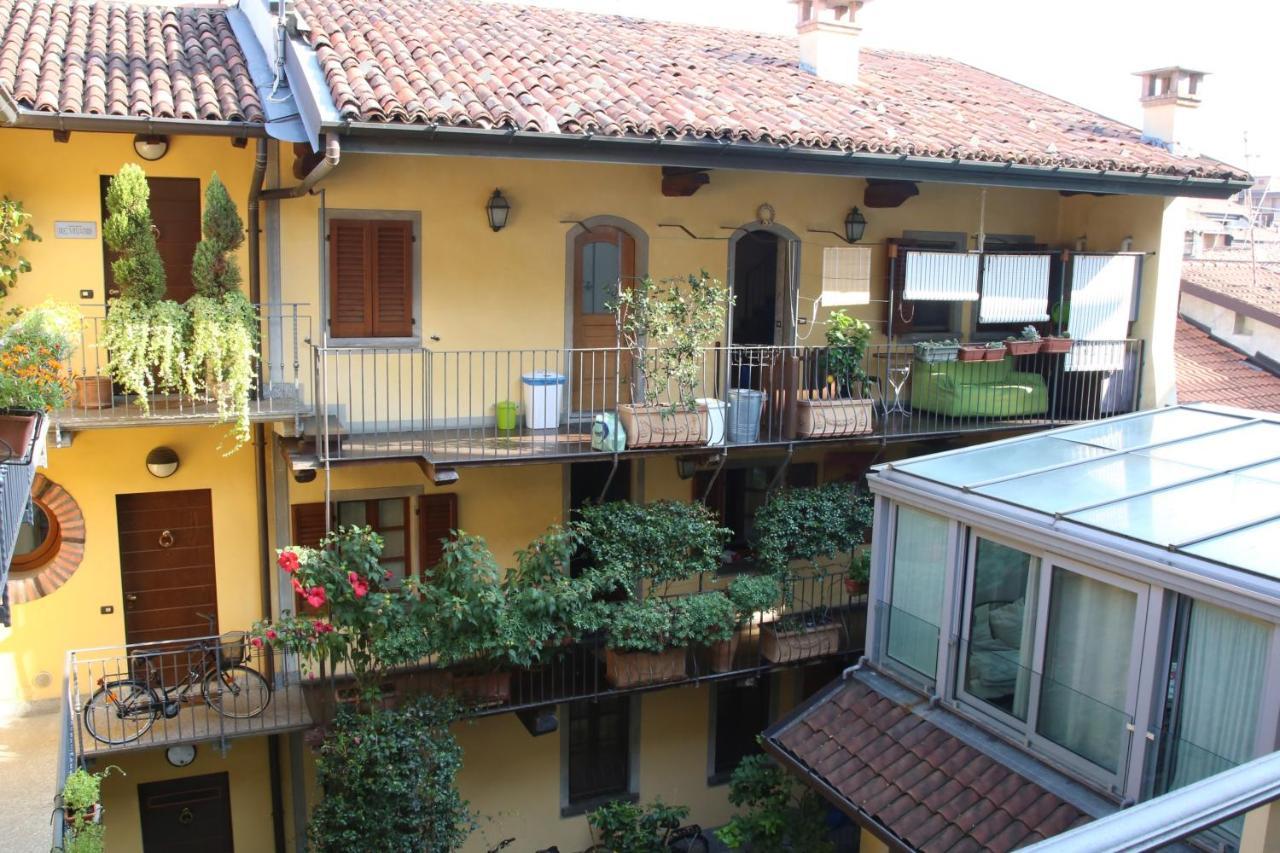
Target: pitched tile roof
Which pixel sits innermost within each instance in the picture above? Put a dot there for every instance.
(1240, 280)
(1212, 372)
(123, 59)
(473, 64)
(915, 780)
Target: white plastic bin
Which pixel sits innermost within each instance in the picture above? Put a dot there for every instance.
(543, 393)
(715, 418)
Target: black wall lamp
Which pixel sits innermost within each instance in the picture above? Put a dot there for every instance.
(855, 225)
(162, 462)
(151, 147)
(498, 210)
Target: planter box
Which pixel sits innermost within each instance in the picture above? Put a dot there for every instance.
(825, 418)
(93, 392)
(486, 690)
(659, 426)
(968, 353)
(1020, 347)
(931, 354)
(994, 354)
(1055, 345)
(789, 646)
(723, 653)
(17, 434)
(630, 669)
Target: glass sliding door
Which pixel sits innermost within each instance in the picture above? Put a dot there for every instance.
(1000, 627)
(1087, 689)
(919, 566)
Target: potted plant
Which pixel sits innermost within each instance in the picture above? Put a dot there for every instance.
(643, 645)
(708, 620)
(667, 329)
(995, 351)
(839, 407)
(800, 535)
(625, 827)
(971, 352)
(855, 583)
(81, 796)
(1028, 343)
(34, 348)
(1056, 344)
(749, 594)
(934, 351)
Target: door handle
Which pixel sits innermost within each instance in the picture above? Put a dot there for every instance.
(166, 539)
(131, 598)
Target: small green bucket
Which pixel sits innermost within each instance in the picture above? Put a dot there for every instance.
(506, 411)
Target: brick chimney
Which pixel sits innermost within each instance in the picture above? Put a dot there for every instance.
(1170, 97)
(829, 38)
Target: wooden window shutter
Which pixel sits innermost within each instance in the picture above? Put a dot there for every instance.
(392, 279)
(308, 529)
(437, 521)
(350, 302)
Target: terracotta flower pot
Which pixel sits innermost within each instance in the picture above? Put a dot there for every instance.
(484, 690)
(723, 653)
(1055, 345)
(629, 669)
(659, 426)
(93, 392)
(830, 418)
(855, 588)
(971, 353)
(17, 431)
(995, 353)
(73, 818)
(789, 646)
(1022, 347)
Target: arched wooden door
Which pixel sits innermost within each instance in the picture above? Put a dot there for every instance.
(604, 259)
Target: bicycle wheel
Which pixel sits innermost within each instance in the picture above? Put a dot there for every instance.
(121, 712)
(689, 839)
(236, 691)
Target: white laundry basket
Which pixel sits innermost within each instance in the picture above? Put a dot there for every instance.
(543, 394)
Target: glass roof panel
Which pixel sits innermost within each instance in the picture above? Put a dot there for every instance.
(1161, 425)
(1091, 482)
(1253, 549)
(1270, 471)
(1231, 449)
(992, 462)
(1184, 513)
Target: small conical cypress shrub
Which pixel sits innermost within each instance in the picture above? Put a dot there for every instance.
(128, 231)
(214, 269)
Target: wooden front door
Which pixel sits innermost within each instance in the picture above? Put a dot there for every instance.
(191, 815)
(604, 260)
(166, 565)
(175, 212)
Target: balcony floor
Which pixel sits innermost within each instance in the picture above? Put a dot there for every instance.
(197, 722)
(173, 411)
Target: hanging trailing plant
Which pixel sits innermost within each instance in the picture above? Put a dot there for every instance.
(15, 229)
(222, 354)
(166, 350)
(126, 336)
(129, 232)
(214, 270)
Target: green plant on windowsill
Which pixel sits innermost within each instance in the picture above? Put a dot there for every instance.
(1029, 333)
(626, 827)
(703, 619)
(82, 795)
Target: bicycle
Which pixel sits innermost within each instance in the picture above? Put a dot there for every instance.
(227, 685)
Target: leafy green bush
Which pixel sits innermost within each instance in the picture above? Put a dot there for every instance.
(84, 839)
(15, 229)
(214, 270)
(847, 340)
(463, 608)
(779, 815)
(703, 619)
(658, 542)
(626, 827)
(129, 232)
(387, 778)
(642, 626)
(33, 352)
(810, 523)
(752, 594)
(545, 604)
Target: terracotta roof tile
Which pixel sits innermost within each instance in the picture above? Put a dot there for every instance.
(938, 794)
(1212, 372)
(1253, 284)
(464, 63)
(124, 59)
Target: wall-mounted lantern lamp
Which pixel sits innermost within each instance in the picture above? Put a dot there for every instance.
(855, 225)
(150, 146)
(162, 462)
(498, 210)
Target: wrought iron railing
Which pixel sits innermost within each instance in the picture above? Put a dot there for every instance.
(144, 695)
(474, 406)
(280, 388)
(17, 473)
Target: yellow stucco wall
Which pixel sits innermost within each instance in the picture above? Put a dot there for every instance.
(249, 781)
(60, 181)
(99, 465)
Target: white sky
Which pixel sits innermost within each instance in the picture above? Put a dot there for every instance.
(1082, 50)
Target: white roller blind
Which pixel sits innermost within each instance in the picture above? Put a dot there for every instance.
(846, 276)
(941, 276)
(1101, 303)
(1015, 289)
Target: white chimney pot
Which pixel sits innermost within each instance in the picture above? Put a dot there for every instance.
(1170, 97)
(829, 38)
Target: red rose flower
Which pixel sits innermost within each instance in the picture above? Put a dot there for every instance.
(315, 596)
(257, 642)
(322, 627)
(271, 635)
(359, 585)
(297, 585)
(288, 561)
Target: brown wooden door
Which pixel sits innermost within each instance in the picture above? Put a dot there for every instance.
(175, 212)
(166, 565)
(604, 258)
(191, 815)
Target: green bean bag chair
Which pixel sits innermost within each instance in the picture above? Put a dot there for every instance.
(991, 389)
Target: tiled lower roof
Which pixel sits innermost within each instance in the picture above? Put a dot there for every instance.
(1253, 283)
(914, 781)
(1212, 372)
(463, 63)
(124, 59)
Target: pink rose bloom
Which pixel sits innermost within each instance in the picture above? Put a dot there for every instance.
(297, 585)
(322, 627)
(288, 561)
(257, 642)
(271, 635)
(315, 596)
(359, 585)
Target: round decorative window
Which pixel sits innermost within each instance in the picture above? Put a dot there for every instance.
(50, 546)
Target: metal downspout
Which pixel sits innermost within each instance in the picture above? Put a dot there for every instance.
(332, 155)
(260, 476)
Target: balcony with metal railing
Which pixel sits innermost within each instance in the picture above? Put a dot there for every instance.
(469, 407)
(279, 390)
(17, 473)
